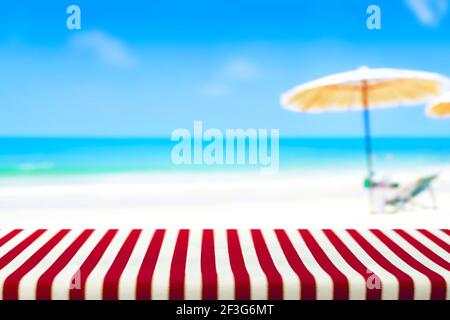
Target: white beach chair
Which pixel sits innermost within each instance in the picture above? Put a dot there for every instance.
(405, 197)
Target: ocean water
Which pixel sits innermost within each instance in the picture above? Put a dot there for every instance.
(56, 156)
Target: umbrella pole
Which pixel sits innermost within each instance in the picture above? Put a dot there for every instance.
(368, 141)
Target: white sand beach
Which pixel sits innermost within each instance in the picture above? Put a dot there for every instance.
(211, 200)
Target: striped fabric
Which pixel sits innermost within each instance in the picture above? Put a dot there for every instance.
(224, 264)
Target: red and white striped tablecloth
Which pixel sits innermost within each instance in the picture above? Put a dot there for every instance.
(224, 264)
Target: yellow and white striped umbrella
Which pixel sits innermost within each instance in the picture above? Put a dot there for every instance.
(365, 89)
(440, 107)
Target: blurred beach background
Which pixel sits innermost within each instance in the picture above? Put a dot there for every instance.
(86, 115)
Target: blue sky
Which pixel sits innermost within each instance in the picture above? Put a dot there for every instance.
(145, 68)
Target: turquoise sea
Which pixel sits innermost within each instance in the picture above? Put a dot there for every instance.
(55, 156)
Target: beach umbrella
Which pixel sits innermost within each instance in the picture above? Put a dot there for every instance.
(364, 89)
(440, 107)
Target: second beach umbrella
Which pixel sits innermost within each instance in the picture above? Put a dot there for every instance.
(440, 107)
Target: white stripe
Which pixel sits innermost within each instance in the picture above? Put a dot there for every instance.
(15, 241)
(440, 235)
(324, 283)
(445, 237)
(128, 279)
(405, 245)
(390, 284)
(193, 280)
(27, 286)
(62, 283)
(357, 283)
(258, 279)
(161, 276)
(429, 244)
(291, 281)
(225, 277)
(422, 285)
(24, 256)
(94, 282)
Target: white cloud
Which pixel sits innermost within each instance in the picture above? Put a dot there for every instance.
(241, 69)
(104, 48)
(226, 78)
(428, 12)
(214, 90)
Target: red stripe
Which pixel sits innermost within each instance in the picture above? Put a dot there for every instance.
(178, 266)
(340, 281)
(446, 231)
(14, 252)
(208, 266)
(241, 276)
(355, 263)
(11, 284)
(436, 240)
(9, 236)
(112, 277)
(438, 286)
(406, 290)
(307, 281)
(44, 284)
(275, 281)
(145, 275)
(424, 249)
(90, 263)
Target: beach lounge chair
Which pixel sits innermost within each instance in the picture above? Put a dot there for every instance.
(406, 196)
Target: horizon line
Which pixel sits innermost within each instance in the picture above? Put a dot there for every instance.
(114, 137)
